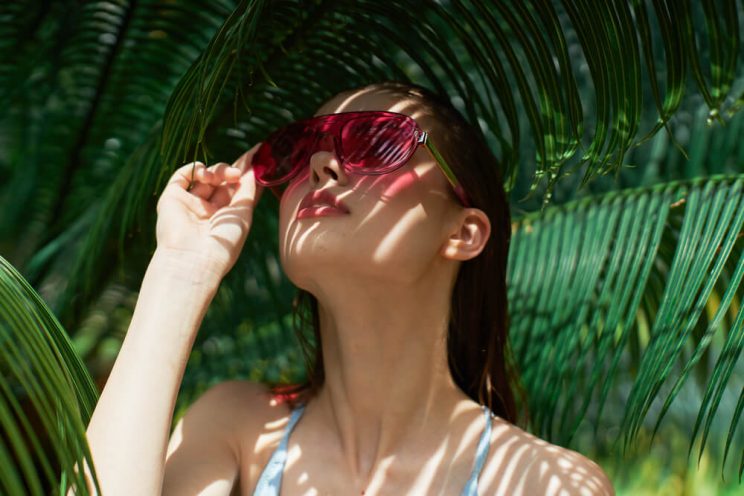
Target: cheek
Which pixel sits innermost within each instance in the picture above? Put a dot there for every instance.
(416, 180)
(292, 194)
(288, 203)
(399, 184)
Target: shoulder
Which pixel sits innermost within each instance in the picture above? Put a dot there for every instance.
(226, 410)
(247, 408)
(236, 394)
(521, 463)
(254, 416)
(211, 443)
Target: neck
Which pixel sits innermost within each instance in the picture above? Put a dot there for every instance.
(387, 381)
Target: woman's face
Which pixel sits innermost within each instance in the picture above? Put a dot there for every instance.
(396, 223)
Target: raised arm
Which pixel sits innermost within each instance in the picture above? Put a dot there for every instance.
(200, 232)
(129, 429)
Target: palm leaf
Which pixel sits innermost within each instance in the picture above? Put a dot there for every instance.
(107, 87)
(451, 36)
(579, 275)
(42, 372)
(450, 45)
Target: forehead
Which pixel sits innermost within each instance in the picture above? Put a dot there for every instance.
(360, 100)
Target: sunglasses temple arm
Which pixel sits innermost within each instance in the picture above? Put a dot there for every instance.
(459, 190)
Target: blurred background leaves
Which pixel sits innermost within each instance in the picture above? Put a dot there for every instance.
(617, 127)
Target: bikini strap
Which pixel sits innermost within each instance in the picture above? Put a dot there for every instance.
(270, 482)
(471, 488)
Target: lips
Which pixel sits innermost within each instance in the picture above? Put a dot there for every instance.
(316, 199)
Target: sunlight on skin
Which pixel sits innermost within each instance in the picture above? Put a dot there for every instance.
(519, 464)
(294, 455)
(554, 487)
(425, 482)
(390, 226)
(386, 228)
(394, 183)
(367, 427)
(270, 434)
(408, 185)
(514, 471)
(402, 229)
(220, 486)
(407, 223)
(313, 460)
(400, 183)
(175, 440)
(276, 424)
(533, 466)
(377, 484)
(430, 468)
(441, 457)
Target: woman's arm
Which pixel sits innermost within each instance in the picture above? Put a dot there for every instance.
(128, 432)
(204, 216)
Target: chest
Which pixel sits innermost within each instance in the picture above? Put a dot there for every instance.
(315, 466)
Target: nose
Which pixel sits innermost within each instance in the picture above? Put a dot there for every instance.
(324, 163)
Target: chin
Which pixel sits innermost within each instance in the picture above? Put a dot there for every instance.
(305, 265)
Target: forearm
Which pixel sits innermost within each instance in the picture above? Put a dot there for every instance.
(129, 430)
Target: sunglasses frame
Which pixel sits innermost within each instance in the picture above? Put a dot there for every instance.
(422, 137)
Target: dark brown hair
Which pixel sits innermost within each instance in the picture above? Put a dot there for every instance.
(478, 352)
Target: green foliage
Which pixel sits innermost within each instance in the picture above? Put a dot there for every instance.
(626, 285)
(580, 275)
(39, 368)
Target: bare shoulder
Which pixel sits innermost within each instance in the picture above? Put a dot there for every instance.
(521, 463)
(249, 408)
(216, 447)
(257, 422)
(236, 395)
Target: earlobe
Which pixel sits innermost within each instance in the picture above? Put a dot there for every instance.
(469, 237)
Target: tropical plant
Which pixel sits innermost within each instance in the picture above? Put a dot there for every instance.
(617, 285)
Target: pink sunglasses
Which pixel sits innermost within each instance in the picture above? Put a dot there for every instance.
(369, 142)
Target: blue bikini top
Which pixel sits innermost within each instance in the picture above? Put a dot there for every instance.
(270, 482)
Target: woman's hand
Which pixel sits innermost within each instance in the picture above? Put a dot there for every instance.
(205, 214)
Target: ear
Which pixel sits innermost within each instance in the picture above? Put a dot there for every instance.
(467, 240)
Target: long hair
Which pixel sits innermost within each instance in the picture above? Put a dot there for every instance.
(478, 352)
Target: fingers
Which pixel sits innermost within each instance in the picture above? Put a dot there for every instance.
(183, 176)
(206, 179)
(206, 182)
(248, 192)
(244, 161)
(202, 181)
(248, 188)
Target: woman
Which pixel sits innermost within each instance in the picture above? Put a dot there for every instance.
(400, 240)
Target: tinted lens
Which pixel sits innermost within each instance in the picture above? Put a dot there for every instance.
(378, 144)
(277, 158)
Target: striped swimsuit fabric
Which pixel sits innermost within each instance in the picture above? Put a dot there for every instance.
(270, 482)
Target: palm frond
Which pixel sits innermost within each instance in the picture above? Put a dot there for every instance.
(43, 382)
(491, 57)
(120, 97)
(45, 172)
(531, 65)
(580, 277)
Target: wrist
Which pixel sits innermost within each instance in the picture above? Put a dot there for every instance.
(189, 267)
